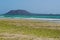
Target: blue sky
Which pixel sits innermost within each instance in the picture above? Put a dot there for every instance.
(34, 6)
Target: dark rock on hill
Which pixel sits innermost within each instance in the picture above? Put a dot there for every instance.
(17, 12)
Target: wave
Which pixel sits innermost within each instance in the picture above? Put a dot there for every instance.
(42, 18)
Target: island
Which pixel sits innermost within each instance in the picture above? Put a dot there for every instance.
(25, 12)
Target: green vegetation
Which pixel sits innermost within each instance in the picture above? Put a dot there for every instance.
(29, 28)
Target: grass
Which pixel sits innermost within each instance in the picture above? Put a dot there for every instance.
(28, 27)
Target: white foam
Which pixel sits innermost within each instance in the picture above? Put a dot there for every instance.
(43, 19)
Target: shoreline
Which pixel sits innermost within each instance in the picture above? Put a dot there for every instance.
(35, 19)
(32, 18)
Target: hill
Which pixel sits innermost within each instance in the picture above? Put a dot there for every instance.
(17, 12)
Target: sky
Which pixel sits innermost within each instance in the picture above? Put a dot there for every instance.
(34, 6)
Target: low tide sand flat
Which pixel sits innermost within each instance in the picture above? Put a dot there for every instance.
(23, 29)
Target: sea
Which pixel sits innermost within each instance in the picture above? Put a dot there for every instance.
(34, 17)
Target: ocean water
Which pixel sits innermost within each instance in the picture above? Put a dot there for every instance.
(31, 16)
(38, 17)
